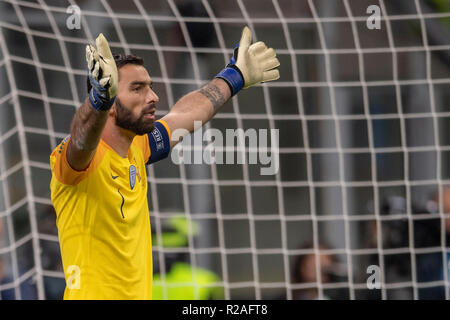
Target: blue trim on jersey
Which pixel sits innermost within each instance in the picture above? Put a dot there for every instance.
(159, 143)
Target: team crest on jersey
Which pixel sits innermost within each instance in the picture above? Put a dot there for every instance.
(132, 176)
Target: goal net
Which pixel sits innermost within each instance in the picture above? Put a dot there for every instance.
(359, 206)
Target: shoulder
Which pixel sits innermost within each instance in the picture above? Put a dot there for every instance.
(141, 142)
(62, 170)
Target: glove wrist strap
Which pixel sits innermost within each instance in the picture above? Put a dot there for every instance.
(233, 77)
(98, 96)
(98, 103)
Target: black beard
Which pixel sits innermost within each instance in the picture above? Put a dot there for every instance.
(125, 120)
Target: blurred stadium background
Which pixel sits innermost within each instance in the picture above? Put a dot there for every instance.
(364, 122)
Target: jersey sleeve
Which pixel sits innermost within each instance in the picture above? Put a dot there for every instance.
(61, 169)
(159, 142)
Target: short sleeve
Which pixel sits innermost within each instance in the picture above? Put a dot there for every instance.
(61, 169)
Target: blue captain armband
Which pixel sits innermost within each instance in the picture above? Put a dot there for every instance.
(159, 142)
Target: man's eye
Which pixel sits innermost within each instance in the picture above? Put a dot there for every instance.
(136, 89)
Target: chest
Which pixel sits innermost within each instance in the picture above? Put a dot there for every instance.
(129, 176)
(122, 190)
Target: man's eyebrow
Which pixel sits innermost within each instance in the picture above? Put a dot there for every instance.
(141, 83)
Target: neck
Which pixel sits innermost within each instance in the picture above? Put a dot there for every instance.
(117, 138)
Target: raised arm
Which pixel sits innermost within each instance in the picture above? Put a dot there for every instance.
(199, 105)
(251, 64)
(90, 119)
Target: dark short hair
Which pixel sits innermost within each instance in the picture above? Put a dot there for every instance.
(123, 59)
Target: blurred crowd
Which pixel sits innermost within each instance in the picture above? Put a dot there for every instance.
(413, 252)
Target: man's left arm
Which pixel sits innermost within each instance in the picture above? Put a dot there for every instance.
(251, 64)
(199, 105)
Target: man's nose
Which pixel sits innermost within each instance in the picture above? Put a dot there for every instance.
(152, 96)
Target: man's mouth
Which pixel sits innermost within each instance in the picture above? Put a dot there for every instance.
(150, 114)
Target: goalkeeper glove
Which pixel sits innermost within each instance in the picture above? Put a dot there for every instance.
(103, 77)
(250, 64)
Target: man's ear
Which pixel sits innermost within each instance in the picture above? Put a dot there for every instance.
(112, 111)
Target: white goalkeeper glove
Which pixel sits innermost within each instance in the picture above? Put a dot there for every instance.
(103, 77)
(250, 64)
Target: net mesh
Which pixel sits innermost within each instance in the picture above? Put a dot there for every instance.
(363, 118)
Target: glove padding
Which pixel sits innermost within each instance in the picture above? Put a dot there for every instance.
(251, 64)
(103, 75)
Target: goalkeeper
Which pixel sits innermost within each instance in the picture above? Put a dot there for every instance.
(99, 180)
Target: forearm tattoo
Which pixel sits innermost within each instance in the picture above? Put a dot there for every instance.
(214, 95)
(87, 127)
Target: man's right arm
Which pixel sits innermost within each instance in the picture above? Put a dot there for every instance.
(85, 132)
(90, 119)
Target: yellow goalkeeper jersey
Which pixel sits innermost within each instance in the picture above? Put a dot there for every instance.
(103, 222)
